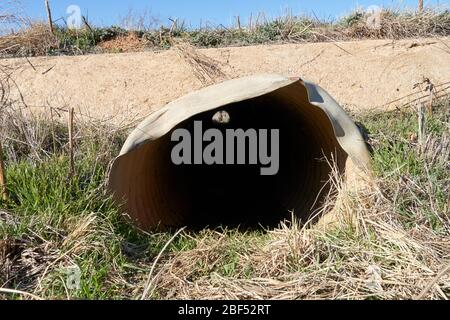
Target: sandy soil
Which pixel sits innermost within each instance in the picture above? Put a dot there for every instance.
(125, 87)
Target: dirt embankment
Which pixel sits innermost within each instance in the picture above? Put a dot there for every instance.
(125, 87)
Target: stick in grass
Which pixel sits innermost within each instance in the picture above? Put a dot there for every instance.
(430, 102)
(421, 129)
(49, 15)
(3, 190)
(52, 124)
(70, 125)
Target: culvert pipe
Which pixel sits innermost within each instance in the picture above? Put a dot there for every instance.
(313, 131)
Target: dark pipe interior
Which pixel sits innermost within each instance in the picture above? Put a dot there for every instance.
(237, 195)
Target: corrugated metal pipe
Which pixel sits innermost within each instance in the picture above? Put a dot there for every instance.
(249, 151)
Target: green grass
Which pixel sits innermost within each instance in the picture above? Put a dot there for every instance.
(397, 156)
(56, 221)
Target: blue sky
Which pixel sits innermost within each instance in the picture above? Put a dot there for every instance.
(108, 12)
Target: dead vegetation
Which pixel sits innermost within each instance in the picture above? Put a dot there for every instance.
(207, 70)
(397, 25)
(35, 40)
(374, 257)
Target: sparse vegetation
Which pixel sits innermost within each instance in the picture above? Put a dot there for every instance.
(35, 39)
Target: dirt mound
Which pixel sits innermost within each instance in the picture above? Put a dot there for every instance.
(380, 74)
(127, 43)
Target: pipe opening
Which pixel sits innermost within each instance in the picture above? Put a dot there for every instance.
(162, 194)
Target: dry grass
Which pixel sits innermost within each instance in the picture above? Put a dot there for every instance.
(398, 25)
(19, 36)
(207, 70)
(374, 257)
(35, 39)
